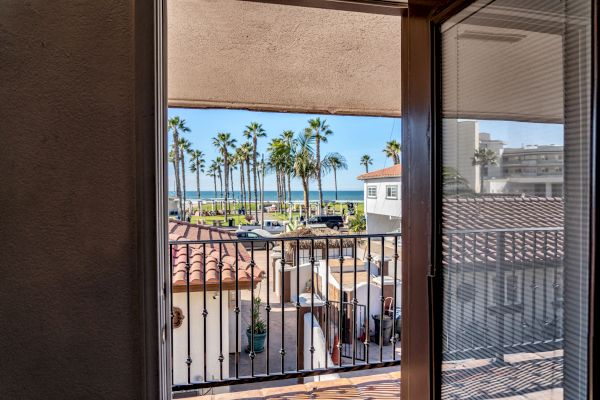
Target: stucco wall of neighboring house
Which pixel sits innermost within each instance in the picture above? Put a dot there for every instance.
(383, 214)
(213, 337)
(76, 116)
(237, 54)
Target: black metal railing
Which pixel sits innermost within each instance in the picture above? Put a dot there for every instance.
(502, 291)
(351, 335)
(202, 274)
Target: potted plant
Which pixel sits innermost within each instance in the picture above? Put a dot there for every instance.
(257, 329)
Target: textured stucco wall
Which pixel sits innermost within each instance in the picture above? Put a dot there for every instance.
(70, 298)
(235, 54)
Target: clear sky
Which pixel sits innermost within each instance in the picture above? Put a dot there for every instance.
(352, 137)
(519, 134)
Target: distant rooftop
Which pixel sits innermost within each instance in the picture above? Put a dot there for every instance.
(204, 258)
(394, 171)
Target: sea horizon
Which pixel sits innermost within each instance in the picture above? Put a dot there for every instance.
(271, 195)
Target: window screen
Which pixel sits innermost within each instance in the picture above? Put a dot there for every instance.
(515, 103)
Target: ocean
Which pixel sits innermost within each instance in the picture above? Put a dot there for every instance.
(271, 195)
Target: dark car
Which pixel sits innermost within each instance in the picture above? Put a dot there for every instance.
(330, 221)
(256, 239)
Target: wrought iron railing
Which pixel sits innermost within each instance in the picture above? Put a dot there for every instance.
(199, 333)
(502, 291)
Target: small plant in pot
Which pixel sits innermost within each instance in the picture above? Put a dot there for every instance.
(257, 329)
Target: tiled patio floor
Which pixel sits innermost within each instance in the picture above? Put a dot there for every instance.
(372, 387)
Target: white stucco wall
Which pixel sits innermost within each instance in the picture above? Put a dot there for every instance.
(383, 214)
(321, 357)
(197, 335)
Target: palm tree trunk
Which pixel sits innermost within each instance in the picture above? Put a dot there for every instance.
(283, 188)
(481, 178)
(242, 184)
(221, 182)
(289, 183)
(226, 170)
(215, 182)
(231, 180)
(254, 144)
(319, 173)
(278, 179)
(183, 183)
(176, 163)
(335, 182)
(249, 186)
(198, 181)
(306, 200)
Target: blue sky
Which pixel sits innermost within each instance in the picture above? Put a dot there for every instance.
(519, 134)
(352, 137)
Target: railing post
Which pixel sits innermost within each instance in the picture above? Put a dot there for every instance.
(500, 296)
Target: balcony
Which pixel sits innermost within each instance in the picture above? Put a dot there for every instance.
(504, 310)
(318, 316)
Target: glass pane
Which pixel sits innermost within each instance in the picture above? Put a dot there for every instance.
(515, 144)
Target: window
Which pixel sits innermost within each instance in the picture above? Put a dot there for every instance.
(391, 192)
(529, 303)
(372, 192)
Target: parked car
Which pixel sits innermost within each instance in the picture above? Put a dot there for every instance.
(271, 226)
(256, 239)
(330, 221)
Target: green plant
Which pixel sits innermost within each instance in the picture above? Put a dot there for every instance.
(358, 223)
(257, 325)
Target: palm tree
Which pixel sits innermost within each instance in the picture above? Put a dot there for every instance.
(197, 166)
(254, 131)
(177, 126)
(305, 165)
(223, 142)
(453, 181)
(392, 150)
(184, 147)
(319, 130)
(483, 158)
(278, 152)
(335, 162)
(366, 160)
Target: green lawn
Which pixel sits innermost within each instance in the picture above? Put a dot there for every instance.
(240, 219)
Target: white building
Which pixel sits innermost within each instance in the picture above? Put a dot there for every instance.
(220, 306)
(383, 206)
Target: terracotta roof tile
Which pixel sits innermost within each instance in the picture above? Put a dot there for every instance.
(390, 172)
(519, 216)
(209, 254)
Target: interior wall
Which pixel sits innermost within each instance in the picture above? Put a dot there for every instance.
(75, 121)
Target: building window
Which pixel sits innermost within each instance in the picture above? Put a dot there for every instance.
(372, 192)
(391, 192)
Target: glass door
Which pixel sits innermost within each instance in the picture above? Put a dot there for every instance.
(514, 212)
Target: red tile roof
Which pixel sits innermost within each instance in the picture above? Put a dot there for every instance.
(209, 254)
(497, 212)
(519, 217)
(390, 172)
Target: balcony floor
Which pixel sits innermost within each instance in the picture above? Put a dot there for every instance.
(372, 387)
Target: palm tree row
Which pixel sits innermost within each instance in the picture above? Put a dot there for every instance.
(289, 156)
